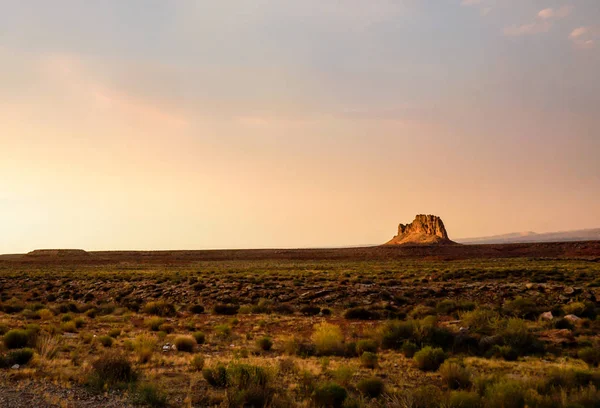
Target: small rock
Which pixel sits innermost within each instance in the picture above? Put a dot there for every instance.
(572, 318)
(546, 316)
(15, 367)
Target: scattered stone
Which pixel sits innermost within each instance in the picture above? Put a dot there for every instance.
(546, 316)
(572, 318)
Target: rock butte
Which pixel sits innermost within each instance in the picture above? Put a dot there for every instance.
(424, 230)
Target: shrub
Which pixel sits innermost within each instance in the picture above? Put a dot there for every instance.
(197, 362)
(429, 359)
(264, 343)
(248, 386)
(185, 344)
(15, 339)
(480, 321)
(371, 387)
(576, 308)
(409, 349)
(154, 323)
(45, 314)
(144, 348)
(216, 376)
(526, 308)
(167, 328)
(69, 327)
(366, 345)
(226, 309)
(360, 313)
(310, 310)
(199, 337)
(507, 353)
(160, 308)
(343, 374)
(464, 399)
(284, 309)
(328, 339)
(590, 355)
(21, 356)
(197, 309)
(393, 334)
(455, 375)
(114, 333)
(368, 359)
(505, 394)
(329, 395)
(106, 341)
(223, 330)
(427, 396)
(149, 395)
(111, 369)
(446, 306)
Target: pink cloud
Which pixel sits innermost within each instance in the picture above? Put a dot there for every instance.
(585, 37)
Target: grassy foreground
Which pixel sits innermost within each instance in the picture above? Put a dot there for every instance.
(472, 333)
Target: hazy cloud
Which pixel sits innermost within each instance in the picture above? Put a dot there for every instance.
(585, 37)
(542, 23)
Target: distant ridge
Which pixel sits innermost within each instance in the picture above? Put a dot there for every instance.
(532, 237)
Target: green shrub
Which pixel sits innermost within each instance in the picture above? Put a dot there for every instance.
(21, 356)
(590, 355)
(310, 310)
(372, 387)
(576, 308)
(149, 395)
(15, 339)
(360, 313)
(114, 333)
(226, 309)
(455, 375)
(166, 327)
(328, 339)
(428, 396)
(409, 349)
(154, 323)
(106, 341)
(464, 399)
(507, 353)
(368, 359)
(197, 309)
(526, 308)
(264, 343)
(393, 334)
(160, 308)
(185, 344)
(446, 307)
(329, 395)
(223, 330)
(505, 394)
(366, 345)
(429, 359)
(480, 321)
(69, 327)
(199, 337)
(197, 362)
(111, 369)
(216, 376)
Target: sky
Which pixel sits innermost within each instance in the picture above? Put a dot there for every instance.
(152, 124)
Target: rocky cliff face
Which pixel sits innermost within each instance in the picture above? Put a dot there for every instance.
(424, 230)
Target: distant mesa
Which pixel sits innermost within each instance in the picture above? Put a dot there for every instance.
(58, 253)
(424, 230)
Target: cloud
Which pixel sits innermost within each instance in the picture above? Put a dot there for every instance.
(555, 14)
(542, 23)
(72, 73)
(585, 37)
(527, 29)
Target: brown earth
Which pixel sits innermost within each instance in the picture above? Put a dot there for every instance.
(563, 250)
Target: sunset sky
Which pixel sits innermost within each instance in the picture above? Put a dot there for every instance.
(153, 124)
